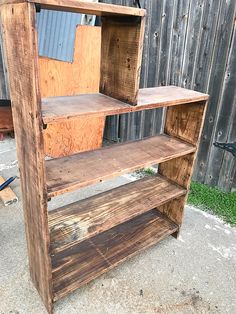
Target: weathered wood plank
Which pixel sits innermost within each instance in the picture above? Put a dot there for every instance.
(63, 108)
(192, 45)
(105, 251)
(216, 78)
(184, 122)
(81, 6)
(20, 48)
(68, 173)
(178, 41)
(121, 55)
(76, 222)
(206, 44)
(225, 127)
(169, 7)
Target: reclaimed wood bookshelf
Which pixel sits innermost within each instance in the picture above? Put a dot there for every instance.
(71, 245)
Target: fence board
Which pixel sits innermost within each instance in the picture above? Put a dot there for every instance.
(216, 80)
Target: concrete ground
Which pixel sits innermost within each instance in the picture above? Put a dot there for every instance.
(195, 274)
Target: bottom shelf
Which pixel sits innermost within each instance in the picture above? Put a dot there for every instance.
(81, 263)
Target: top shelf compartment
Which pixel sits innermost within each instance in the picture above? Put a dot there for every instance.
(99, 9)
(56, 109)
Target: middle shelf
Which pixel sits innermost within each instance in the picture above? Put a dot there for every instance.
(79, 170)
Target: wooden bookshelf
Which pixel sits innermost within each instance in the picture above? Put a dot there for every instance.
(72, 245)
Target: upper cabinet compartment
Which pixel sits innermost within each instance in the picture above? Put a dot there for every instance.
(122, 30)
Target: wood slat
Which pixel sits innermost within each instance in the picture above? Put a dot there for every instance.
(60, 108)
(76, 222)
(121, 57)
(82, 263)
(87, 7)
(69, 173)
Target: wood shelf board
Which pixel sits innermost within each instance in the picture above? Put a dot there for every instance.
(99, 9)
(86, 168)
(82, 263)
(68, 107)
(79, 221)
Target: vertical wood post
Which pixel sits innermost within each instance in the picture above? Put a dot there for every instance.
(20, 48)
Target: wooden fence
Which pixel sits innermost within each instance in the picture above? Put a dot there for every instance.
(190, 43)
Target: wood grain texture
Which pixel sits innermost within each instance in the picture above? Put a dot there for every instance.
(56, 109)
(6, 121)
(85, 7)
(69, 173)
(103, 252)
(60, 78)
(7, 195)
(184, 122)
(76, 222)
(73, 136)
(20, 47)
(121, 56)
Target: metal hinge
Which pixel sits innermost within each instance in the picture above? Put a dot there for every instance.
(229, 147)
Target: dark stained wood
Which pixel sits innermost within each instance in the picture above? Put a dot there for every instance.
(76, 222)
(121, 56)
(85, 7)
(81, 263)
(69, 173)
(20, 47)
(64, 108)
(184, 122)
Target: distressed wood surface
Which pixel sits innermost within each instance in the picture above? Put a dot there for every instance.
(219, 61)
(103, 252)
(73, 136)
(76, 222)
(69, 173)
(121, 56)
(84, 7)
(20, 48)
(7, 195)
(196, 46)
(64, 108)
(81, 6)
(221, 164)
(184, 122)
(60, 78)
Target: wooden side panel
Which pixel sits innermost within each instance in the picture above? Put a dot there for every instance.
(20, 45)
(58, 78)
(122, 45)
(184, 122)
